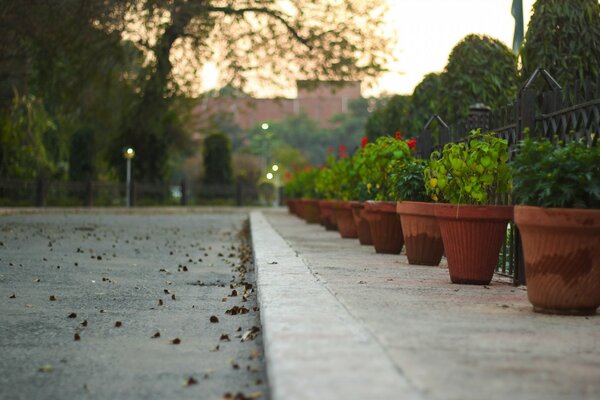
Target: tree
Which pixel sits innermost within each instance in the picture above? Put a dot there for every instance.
(424, 102)
(391, 117)
(217, 159)
(563, 37)
(273, 41)
(480, 69)
(59, 53)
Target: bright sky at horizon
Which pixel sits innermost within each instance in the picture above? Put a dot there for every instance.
(427, 30)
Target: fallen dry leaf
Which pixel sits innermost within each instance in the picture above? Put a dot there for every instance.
(12, 296)
(176, 341)
(76, 337)
(225, 338)
(72, 315)
(156, 335)
(118, 324)
(191, 381)
(52, 298)
(214, 319)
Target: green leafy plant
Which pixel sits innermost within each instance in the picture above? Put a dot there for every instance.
(374, 163)
(470, 172)
(563, 36)
(302, 184)
(560, 175)
(407, 180)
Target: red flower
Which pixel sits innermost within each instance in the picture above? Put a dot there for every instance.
(412, 143)
(398, 135)
(342, 151)
(363, 142)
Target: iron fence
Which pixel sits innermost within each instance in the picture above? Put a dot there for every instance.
(556, 114)
(41, 193)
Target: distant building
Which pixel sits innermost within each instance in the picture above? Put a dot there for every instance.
(320, 100)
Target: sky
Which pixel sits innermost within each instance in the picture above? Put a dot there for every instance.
(426, 31)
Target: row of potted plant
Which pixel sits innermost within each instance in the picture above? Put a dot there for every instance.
(458, 202)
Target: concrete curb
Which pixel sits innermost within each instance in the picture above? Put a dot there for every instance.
(314, 348)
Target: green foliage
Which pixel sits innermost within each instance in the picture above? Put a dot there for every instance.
(407, 180)
(389, 118)
(217, 159)
(22, 130)
(374, 163)
(563, 37)
(425, 102)
(82, 163)
(339, 180)
(560, 175)
(471, 172)
(302, 184)
(480, 69)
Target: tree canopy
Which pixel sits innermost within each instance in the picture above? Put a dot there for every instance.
(563, 37)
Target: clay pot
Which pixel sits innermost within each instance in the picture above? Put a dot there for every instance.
(386, 230)
(362, 225)
(326, 215)
(562, 268)
(422, 236)
(344, 219)
(472, 237)
(309, 210)
(291, 205)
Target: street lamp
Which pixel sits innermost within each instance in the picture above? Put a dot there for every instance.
(128, 154)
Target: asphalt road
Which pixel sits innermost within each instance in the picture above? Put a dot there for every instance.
(82, 297)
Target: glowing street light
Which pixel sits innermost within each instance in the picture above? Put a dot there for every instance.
(275, 168)
(264, 126)
(128, 154)
(269, 176)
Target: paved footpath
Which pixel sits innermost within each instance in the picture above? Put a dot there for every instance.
(341, 322)
(84, 293)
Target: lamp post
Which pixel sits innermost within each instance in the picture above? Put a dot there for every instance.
(265, 138)
(274, 176)
(128, 154)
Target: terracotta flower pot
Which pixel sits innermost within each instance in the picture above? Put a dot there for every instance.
(362, 225)
(326, 215)
(472, 237)
(291, 205)
(562, 268)
(421, 231)
(386, 230)
(345, 220)
(309, 210)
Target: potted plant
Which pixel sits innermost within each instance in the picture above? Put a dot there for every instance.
(374, 164)
(422, 236)
(324, 188)
(472, 177)
(345, 181)
(308, 206)
(558, 186)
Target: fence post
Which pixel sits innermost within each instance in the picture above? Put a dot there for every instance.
(183, 193)
(40, 192)
(89, 193)
(479, 117)
(239, 194)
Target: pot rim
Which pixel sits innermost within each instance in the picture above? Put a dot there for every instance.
(415, 208)
(558, 218)
(381, 206)
(473, 212)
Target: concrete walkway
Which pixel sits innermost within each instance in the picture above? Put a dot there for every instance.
(341, 322)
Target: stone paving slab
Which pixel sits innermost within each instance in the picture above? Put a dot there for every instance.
(331, 308)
